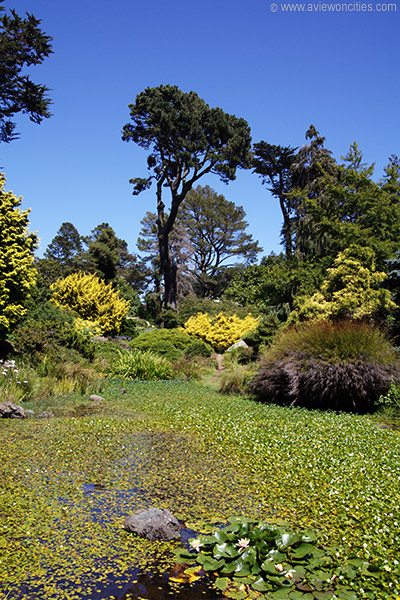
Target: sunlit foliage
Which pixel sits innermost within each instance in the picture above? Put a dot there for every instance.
(220, 331)
(17, 275)
(92, 299)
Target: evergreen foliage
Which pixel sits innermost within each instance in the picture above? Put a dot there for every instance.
(351, 290)
(22, 44)
(220, 331)
(166, 342)
(65, 249)
(17, 274)
(216, 229)
(187, 139)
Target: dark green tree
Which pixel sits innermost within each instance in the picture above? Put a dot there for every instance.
(187, 140)
(274, 165)
(366, 213)
(108, 256)
(65, 248)
(103, 256)
(313, 171)
(22, 44)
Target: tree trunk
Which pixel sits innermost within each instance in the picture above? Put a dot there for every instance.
(169, 271)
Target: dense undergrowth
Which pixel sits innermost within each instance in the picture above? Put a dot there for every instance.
(204, 456)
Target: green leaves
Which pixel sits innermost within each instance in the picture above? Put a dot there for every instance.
(271, 559)
(284, 540)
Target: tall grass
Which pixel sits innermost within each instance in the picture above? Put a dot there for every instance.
(340, 366)
(141, 365)
(15, 383)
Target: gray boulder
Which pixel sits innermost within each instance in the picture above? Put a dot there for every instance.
(8, 410)
(95, 398)
(239, 344)
(154, 524)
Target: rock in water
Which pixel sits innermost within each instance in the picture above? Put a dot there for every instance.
(154, 524)
(8, 410)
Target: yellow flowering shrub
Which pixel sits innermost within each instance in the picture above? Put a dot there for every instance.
(220, 331)
(92, 299)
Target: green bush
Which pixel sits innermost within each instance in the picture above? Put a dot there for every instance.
(167, 349)
(169, 319)
(155, 340)
(136, 364)
(265, 332)
(34, 339)
(198, 349)
(340, 366)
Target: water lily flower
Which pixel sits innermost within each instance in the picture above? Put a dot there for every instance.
(196, 544)
(289, 574)
(242, 544)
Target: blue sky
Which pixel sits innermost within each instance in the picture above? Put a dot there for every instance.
(280, 71)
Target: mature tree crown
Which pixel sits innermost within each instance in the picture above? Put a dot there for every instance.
(187, 138)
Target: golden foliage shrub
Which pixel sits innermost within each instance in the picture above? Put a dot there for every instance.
(93, 300)
(220, 331)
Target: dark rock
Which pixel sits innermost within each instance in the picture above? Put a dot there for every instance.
(154, 524)
(95, 398)
(8, 410)
(122, 391)
(45, 415)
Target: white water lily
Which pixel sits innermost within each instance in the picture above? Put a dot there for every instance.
(289, 574)
(196, 544)
(242, 544)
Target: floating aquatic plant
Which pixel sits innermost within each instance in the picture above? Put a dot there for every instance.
(254, 556)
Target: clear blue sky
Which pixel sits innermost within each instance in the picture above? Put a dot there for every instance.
(280, 71)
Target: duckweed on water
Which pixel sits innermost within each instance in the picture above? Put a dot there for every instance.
(204, 457)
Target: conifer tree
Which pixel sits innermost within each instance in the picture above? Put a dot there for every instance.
(187, 140)
(22, 44)
(17, 245)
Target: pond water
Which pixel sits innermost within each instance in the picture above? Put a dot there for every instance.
(87, 555)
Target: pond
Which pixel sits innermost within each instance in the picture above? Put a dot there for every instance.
(74, 483)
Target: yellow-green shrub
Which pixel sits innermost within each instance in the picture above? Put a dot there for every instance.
(92, 299)
(220, 331)
(352, 290)
(17, 245)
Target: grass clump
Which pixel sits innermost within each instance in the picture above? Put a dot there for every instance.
(236, 379)
(141, 365)
(340, 366)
